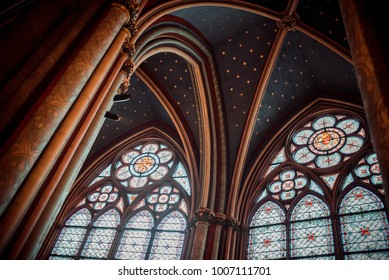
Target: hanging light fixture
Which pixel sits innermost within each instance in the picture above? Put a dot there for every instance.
(112, 116)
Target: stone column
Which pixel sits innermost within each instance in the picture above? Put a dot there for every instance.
(232, 227)
(51, 200)
(204, 217)
(219, 221)
(18, 160)
(17, 98)
(371, 66)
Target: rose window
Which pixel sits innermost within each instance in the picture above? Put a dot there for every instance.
(101, 197)
(146, 163)
(327, 141)
(287, 184)
(162, 198)
(368, 170)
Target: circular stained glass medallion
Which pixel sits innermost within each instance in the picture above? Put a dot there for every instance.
(144, 164)
(326, 141)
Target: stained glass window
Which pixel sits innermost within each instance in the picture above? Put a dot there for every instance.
(71, 236)
(364, 224)
(311, 230)
(267, 233)
(169, 238)
(327, 183)
(327, 140)
(136, 208)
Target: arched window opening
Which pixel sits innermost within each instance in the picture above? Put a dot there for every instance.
(283, 231)
(364, 224)
(327, 180)
(267, 233)
(311, 230)
(136, 208)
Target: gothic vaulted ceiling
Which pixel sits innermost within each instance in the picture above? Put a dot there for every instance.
(258, 66)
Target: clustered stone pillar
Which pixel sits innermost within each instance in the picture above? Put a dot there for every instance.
(18, 160)
(64, 112)
(372, 74)
(16, 98)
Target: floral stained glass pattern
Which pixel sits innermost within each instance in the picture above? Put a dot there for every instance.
(136, 208)
(144, 164)
(368, 170)
(327, 155)
(327, 141)
(287, 184)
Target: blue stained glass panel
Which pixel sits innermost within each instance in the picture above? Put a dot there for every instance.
(269, 213)
(301, 137)
(110, 218)
(99, 243)
(368, 256)
(267, 243)
(310, 207)
(315, 187)
(348, 125)
(81, 218)
(311, 238)
(133, 245)
(360, 199)
(181, 176)
(365, 232)
(69, 241)
(142, 220)
(167, 245)
(173, 222)
(303, 155)
(322, 122)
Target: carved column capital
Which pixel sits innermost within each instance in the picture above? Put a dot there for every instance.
(128, 48)
(287, 22)
(205, 215)
(132, 6)
(233, 223)
(220, 219)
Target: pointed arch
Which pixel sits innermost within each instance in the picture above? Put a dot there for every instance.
(311, 233)
(342, 215)
(124, 205)
(364, 224)
(267, 233)
(177, 40)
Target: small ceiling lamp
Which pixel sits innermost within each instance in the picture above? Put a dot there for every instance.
(112, 116)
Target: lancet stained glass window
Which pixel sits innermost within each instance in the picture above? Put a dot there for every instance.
(326, 177)
(135, 208)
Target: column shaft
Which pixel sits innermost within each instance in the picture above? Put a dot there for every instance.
(18, 160)
(59, 186)
(17, 98)
(367, 51)
(200, 240)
